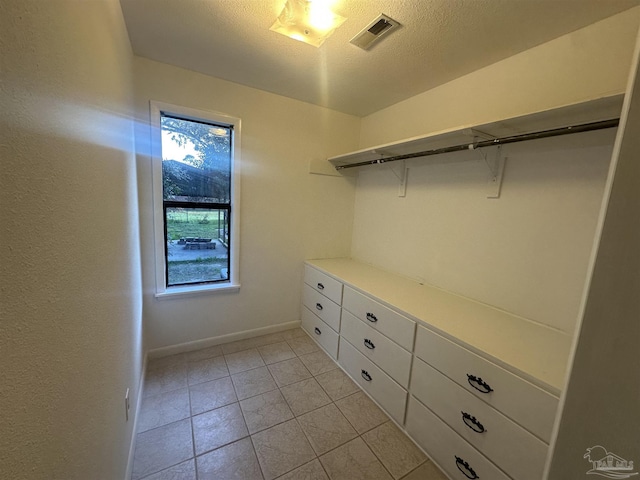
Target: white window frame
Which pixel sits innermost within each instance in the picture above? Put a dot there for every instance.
(155, 110)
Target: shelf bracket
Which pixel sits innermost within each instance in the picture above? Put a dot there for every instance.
(475, 133)
(319, 166)
(496, 171)
(402, 179)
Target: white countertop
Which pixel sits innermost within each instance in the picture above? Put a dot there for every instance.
(533, 351)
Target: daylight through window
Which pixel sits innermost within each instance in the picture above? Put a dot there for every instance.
(196, 200)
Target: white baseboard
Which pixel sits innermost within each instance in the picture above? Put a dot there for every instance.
(136, 411)
(212, 341)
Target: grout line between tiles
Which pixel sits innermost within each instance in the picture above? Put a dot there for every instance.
(222, 446)
(414, 469)
(374, 453)
(165, 469)
(193, 435)
(279, 388)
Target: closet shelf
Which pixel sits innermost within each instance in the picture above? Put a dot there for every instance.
(592, 115)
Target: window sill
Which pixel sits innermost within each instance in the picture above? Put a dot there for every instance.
(196, 290)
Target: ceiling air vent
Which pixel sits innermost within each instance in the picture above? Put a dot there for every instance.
(373, 32)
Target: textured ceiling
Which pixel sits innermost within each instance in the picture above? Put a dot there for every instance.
(440, 40)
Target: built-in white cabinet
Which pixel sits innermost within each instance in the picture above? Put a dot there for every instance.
(383, 319)
(321, 299)
(475, 387)
(388, 393)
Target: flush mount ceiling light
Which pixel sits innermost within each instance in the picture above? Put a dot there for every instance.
(309, 21)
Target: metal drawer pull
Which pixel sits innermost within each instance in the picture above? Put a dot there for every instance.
(317, 330)
(366, 375)
(371, 317)
(479, 384)
(320, 286)
(471, 422)
(318, 306)
(369, 344)
(465, 468)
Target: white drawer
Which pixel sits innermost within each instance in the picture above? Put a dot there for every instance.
(392, 324)
(446, 448)
(523, 402)
(386, 354)
(391, 396)
(516, 451)
(329, 287)
(326, 309)
(320, 332)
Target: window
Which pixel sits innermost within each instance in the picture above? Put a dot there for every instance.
(195, 191)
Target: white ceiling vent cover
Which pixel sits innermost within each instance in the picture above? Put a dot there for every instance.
(376, 30)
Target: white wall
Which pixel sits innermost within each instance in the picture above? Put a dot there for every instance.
(70, 327)
(287, 215)
(528, 251)
(600, 403)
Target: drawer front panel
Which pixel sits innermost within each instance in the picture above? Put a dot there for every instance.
(526, 404)
(386, 354)
(320, 332)
(326, 309)
(329, 287)
(516, 451)
(446, 447)
(392, 324)
(391, 396)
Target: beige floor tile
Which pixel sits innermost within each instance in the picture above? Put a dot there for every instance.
(164, 378)
(305, 396)
(203, 353)
(239, 345)
(309, 471)
(164, 408)
(207, 370)
(281, 449)
(209, 395)
(394, 449)
(293, 333)
(289, 371)
(326, 428)
(303, 345)
(218, 427)
(253, 382)
(361, 412)
(337, 384)
(164, 362)
(318, 362)
(269, 339)
(244, 360)
(161, 448)
(249, 343)
(353, 461)
(265, 410)
(426, 471)
(276, 352)
(236, 461)
(182, 471)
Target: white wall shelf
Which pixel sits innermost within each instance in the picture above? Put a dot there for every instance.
(470, 136)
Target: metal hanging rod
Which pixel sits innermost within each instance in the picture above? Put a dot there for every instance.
(555, 132)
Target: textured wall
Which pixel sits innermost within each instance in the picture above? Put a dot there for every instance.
(286, 214)
(528, 251)
(70, 326)
(589, 63)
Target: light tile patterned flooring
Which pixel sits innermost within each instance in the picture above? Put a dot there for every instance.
(269, 407)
